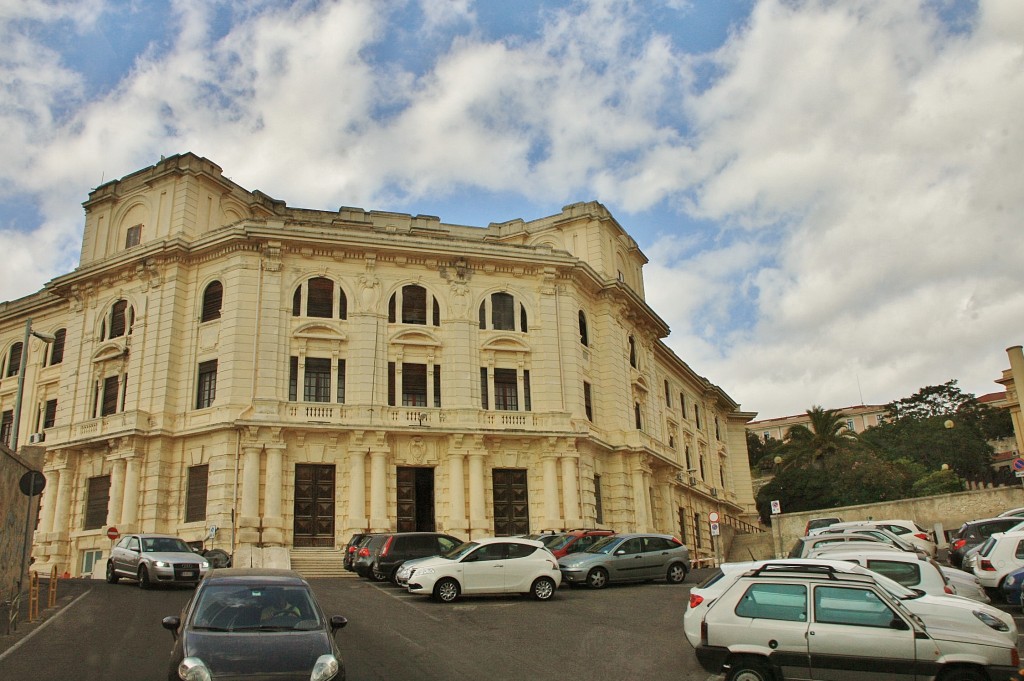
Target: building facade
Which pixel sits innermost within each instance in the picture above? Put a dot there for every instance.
(857, 418)
(224, 366)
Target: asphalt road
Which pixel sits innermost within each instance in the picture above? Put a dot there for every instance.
(631, 631)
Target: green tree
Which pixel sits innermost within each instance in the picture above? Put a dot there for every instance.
(761, 453)
(822, 439)
(937, 482)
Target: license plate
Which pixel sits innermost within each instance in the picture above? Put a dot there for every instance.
(187, 574)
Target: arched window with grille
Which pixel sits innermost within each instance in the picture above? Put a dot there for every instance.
(212, 298)
(584, 336)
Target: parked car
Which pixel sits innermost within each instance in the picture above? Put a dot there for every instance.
(1013, 512)
(1001, 554)
(370, 545)
(804, 546)
(906, 530)
(965, 584)
(254, 623)
(903, 567)
(1012, 587)
(973, 533)
(391, 549)
(825, 621)
(575, 541)
(348, 560)
(627, 558)
(878, 533)
(820, 523)
(155, 559)
(495, 565)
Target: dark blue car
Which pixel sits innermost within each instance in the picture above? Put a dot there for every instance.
(1012, 586)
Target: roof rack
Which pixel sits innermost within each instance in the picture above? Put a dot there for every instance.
(805, 569)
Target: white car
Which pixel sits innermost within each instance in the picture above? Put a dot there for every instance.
(907, 530)
(965, 584)
(903, 567)
(488, 566)
(1001, 554)
(947, 634)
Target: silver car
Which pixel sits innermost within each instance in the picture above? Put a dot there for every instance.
(627, 558)
(155, 559)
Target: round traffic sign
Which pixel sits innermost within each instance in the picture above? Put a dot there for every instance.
(1018, 464)
(713, 516)
(112, 533)
(32, 483)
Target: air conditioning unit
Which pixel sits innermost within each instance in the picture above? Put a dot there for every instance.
(714, 491)
(36, 438)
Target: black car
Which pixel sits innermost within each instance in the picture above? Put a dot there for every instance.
(255, 623)
(975, 532)
(349, 557)
(388, 551)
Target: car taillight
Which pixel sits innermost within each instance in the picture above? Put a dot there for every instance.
(948, 589)
(387, 545)
(695, 600)
(352, 549)
(958, 544)
(986, 564)
(921, 535)
(364, 552)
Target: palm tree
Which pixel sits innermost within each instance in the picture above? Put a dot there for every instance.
(826, 435)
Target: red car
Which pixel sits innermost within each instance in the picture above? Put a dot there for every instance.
(573, 541)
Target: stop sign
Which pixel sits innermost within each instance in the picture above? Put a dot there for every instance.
(113, 534)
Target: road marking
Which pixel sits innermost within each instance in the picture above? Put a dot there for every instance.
(42, 626)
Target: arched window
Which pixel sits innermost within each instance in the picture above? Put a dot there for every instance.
(14, 360)
(57, 347)
(413, 299)
(632, 352)
(503, 313)
(584, 338)
(636, 416)
(319, 299)
(119, 321)
(212, 298)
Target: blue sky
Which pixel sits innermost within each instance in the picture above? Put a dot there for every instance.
(829, 194)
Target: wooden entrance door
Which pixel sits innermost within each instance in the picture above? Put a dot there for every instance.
(314, 505)
(416, 500)
(511, 502)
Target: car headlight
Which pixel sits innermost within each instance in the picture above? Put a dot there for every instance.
(204, 565)
(991, 621)
(161, 563)
(193, 669)
(326, 668)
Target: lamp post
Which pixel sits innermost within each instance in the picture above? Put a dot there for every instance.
(46, 338)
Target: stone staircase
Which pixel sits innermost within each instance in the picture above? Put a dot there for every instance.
(319, 562)
(750, 546)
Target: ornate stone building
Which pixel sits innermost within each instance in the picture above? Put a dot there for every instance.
(223, 364)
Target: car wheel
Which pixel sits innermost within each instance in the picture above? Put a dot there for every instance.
(962, 674)
(543, 588)
(676, 573)
(597, 578)
(377, 575)
(749, 669)
(144, 582)
(447, 590)
(111, 575)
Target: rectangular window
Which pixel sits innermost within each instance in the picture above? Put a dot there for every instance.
(526, 390)
(293, 379)
(6, 425)
(598, 510)
(696, 529)
(316, 382)
(855, 607)
(391, 384)
(14, 360)
(786, 602)
(50, 414)
(668, 395)
(849, 425)
(587, 404)
(696, 415)
(682, 405)
(414, 385)
(437, 385)
(133, 236)
(483, 388)
(96, 500)
(341, 381)
(195, 494)
(414, 305)
(506, 393)
(206, 388)
(109, 405)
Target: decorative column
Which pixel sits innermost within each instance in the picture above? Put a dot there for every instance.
(249, 508)
(116, 492)
(130, 503)
(552, 517)
(273, 519)
(357, 521)
(570, 491)
(457, 524)
(379, 491)
(477, 509)
(62, 514)
(49, 505)
(640, 518)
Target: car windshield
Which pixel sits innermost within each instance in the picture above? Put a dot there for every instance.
(230, 607)
(164, 545)
(560, 541)
(604, 545)
(459, 551)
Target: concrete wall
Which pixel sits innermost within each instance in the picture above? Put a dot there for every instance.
(948, 510)
(13, 507)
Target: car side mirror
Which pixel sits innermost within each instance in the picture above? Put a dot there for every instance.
(898, 623)
(338, 622)
(171, 624)
(620, 552)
